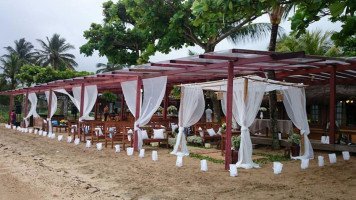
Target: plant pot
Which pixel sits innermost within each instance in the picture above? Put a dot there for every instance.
(295, 149)
(234, 156)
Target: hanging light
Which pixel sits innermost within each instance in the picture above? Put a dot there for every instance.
(347, 101)
(352, 101)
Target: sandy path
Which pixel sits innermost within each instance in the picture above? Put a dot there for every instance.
(40, 168)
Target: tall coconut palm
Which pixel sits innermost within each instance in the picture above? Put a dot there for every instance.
(23, 50)
(53, 53)
(11, 66)
(276, 14)
(312, 42)
(107, 67)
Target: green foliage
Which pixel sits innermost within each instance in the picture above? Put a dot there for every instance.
(195, 139)
(22, 49)
(107, 67)
(313, 43)
(270, 158)
(200, 157)
(171, 141)
(337, 10)
(10, 66)
(36, 74)
(134, 30)
(294, 139)
(235, 141)
(349, 47)
(109, 96)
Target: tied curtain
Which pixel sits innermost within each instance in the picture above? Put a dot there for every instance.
(192, 106)
(244, 113)
(90, 96)
(153, 93)
(53, 109)
(32, 97)
(295, 104)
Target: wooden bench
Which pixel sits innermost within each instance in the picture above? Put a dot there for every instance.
(150, 136)
(38, 123)
(207, 125)
(117, 131)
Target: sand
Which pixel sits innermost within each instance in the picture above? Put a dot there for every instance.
(36, 167)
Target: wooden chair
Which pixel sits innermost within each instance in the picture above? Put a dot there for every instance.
(205, 126)
(97, 127)
(38, 123)
(113, 131)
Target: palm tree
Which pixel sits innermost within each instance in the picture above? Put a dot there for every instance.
(107, 67)
(53, 53)
(312, 42)
(23, 50)
(11, 66)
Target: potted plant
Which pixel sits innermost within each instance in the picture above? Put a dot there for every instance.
(235, 140)
(294, 139)
(172, 110)
(159, 111)
(63, 122)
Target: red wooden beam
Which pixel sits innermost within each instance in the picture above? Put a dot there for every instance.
(25, 110)
(49, 112)
(137, 110)
(122, 107)
(165, 103)
(332, 105)
(81, 111)
(230, 86)
(10, 108)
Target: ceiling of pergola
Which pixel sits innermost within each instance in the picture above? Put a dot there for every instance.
(291, 67)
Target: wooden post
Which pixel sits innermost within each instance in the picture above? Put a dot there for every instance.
(332, 105)
(25, 110)
(81, 109)
(122, 107)
(49, 111)
(165, 104)
(245, 89)
(96, 109)
(138, 107)
(10, 108)
(230, 85)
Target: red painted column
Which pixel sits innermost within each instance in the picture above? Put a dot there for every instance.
(25, 110)
(49, 110)
(96, 109)
(122, 107)
(332, 105)
(165, 104)
(137, 113)
(230, 86)
(81, 109)
(10, 108)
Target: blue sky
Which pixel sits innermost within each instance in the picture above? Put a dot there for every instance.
(37, 19)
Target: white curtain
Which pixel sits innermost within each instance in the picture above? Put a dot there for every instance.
(244, 112)
(191, 109)
(53, 109)
(295, 104)
(32, 97)
(153, 93)
(90, 96)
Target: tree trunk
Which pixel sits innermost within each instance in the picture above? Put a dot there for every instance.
(273, 94)
(212, 95)
(273, 40)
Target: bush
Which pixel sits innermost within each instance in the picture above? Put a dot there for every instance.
(236, 140)
(195, 139)
(294, 139)
(171, 141)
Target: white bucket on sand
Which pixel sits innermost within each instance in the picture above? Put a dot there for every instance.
(40, 132)
(88, 144)
(26, 130)
(53, 136)
(49, 135)
(179, 162)
(36, 131)
(60, 137)
(129, 151)
(30, 130)
(332, 158)
(321, 161)
(117, 148)
(99, 146)
(14, 127)
(304, 164)
(277, 167)
(142, 153)
(76, 141)
(69, 139)
(44, 133)
(203, 165)
(346, 155)
(154, 156)
(233, 170)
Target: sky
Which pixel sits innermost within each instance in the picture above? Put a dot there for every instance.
(38, 19)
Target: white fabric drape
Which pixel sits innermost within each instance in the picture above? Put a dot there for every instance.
(90, 96)
(53, 109)
(295, 104)
(191, 109)
(153, 93)
(244, 112)
(32, 97)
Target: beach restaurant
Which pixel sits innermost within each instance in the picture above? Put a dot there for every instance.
(238, 75)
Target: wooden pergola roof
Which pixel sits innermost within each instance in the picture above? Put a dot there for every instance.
(292, 67)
